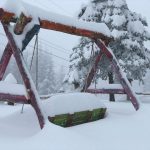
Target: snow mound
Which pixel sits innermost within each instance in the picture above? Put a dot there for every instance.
(10, 79)
(14, 89)
(70, 103)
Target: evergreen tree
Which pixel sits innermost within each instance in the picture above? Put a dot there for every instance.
(129, 31)
(46, 75)
(60, 77)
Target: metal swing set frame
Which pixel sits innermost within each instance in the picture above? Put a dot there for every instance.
(101, 40)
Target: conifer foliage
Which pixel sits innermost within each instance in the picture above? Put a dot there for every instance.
(129, 31)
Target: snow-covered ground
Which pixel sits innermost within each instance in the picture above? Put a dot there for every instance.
(122, 129)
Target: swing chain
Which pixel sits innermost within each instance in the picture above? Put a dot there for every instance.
(34, 49)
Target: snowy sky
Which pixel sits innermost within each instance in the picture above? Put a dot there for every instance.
(60, 44)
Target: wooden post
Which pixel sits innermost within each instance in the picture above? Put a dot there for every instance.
(32, 93)
(21, 23)
(14, 98)
(5, 60)
(92, 72)
(1, 13)
(123, 80)
(6, 17)
(126, 85)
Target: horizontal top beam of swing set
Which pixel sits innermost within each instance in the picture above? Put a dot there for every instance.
(7, 17)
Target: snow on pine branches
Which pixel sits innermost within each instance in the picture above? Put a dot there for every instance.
(129, 31)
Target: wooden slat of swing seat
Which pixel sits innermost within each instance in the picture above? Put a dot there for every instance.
(68, 120)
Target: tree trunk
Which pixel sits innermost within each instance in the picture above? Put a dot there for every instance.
(111, 81)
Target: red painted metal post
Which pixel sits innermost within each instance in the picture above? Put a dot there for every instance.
(124, 82)
(25, 75)
(5, 60)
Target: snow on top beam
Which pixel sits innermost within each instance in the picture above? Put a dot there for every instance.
(74, 30)
(6, 16)
(53, 21)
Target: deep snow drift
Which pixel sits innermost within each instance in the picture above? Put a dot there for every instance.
(122, 129)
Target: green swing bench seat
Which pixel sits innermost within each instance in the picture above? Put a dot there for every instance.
(68, 120)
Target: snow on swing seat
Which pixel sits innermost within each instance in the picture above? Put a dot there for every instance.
(75, 108)
(13, 92)
(11, 88)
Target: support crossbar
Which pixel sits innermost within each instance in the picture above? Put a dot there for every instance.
(14, 98)
(45, 24)
(106, 91)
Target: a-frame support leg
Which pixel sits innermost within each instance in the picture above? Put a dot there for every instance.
(5, 60)
(92, 72)
(31, 90)
(123, 80)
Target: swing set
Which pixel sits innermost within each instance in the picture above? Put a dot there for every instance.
(12, 48)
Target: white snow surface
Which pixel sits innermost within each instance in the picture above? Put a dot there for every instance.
(118, 20)
(128, 43)
(35, 12)
(117, 34)
(70, 103)
(15, 6)
(11, 88)
(122, 129)
(74, 76)
(10, 79)
(116, 3)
